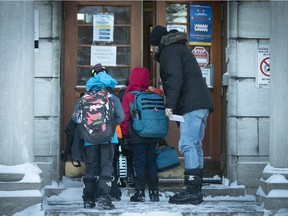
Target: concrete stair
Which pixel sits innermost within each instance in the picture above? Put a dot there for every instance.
(218, 200)
(19, 190)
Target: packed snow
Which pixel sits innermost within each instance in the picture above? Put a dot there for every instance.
(70, 199)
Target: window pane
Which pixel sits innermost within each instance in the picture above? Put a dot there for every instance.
(176, 13)
(85, 35)
(123, 56)
(121, 14)
(85, 14)
(120, 74)
(83, 56)
(122, 31)
(122, 35)
(83, 74)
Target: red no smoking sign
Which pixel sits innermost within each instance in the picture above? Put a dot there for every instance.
(201, 55)
(265, 67)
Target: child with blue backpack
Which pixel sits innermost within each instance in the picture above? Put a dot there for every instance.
(143, 148)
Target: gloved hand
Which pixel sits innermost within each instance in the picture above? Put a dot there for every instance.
(168, 112)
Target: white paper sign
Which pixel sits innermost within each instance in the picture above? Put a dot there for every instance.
(206, 73)
(180, 28)
(106, 55)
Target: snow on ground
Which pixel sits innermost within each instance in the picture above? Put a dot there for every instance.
(70, 199)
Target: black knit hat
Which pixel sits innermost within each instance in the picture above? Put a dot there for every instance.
(157, 33)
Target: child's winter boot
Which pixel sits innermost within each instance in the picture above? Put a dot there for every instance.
(104, 201)
(154, 195)
(153, 189)
(115, 190)
(139, 195)
(89, 192)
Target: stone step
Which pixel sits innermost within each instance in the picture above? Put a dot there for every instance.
(211, 206)
(208, 189)
(14, 186)
(20, 177)
(15, 201)
(20, 187)
(212, 190)
(132, 209)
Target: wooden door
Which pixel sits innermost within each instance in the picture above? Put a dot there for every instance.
(78, 33)
(178, 13)
(79, 40)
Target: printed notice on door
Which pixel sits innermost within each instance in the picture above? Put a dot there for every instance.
(106, 55)
(103, 27)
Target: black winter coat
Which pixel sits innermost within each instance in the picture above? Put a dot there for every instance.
(185, 88)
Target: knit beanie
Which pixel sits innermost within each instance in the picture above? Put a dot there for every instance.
(96, 69)
(157, 33)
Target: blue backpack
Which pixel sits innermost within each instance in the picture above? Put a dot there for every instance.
(148, 114)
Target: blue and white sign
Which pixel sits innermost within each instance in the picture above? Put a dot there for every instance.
(200, 24)
(103, 27)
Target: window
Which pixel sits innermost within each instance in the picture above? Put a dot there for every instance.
(177, 14)
(121, 39)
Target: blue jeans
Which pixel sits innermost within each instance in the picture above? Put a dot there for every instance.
(191, 135)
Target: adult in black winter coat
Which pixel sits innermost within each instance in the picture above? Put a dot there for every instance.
(186, 94)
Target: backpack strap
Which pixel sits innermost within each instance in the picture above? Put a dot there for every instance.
(135, 92)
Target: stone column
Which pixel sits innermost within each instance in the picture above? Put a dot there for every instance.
(16, 82)
(273, 190)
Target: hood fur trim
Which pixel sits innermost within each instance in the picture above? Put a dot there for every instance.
(174, 37)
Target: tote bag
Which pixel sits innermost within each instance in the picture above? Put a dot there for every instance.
(166, 157)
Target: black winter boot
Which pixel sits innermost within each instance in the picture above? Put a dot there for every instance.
(115, 190)
(192, 194)
(201, 176)
(154, 195)
(104, 191)
(89, 192)
(105, 203)
(153, 189)
(139, 195)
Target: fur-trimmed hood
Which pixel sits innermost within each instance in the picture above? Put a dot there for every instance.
(174, 37)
